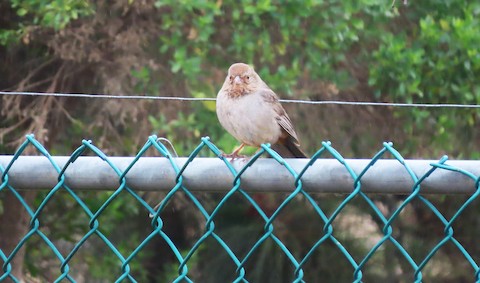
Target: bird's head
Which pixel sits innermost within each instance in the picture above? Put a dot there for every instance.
(241, 79)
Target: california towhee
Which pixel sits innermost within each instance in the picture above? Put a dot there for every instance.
(250, 111)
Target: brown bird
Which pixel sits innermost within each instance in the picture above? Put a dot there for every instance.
(251, 112)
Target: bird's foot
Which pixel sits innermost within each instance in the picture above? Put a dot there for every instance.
(233, 156)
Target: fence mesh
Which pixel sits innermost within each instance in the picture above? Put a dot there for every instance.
(296, 260)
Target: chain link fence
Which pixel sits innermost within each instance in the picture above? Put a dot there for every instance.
(294, 182)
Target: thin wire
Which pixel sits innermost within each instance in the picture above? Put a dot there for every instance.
(172, 98)
(104, 96)
(364, 103)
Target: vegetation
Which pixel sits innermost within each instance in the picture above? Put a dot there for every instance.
(425, 52)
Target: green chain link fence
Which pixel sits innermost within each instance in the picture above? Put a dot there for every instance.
(241, 275)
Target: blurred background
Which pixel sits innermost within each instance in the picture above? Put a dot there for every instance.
(349, 50)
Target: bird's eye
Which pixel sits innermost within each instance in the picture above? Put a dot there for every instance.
(231, 77)
(248, 77)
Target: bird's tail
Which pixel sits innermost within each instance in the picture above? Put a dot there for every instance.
(289, 149)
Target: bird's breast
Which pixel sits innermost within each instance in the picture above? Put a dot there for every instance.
(248, 118)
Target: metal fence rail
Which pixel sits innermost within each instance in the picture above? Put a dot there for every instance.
(297, 178)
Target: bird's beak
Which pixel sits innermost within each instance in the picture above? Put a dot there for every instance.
(237, 80)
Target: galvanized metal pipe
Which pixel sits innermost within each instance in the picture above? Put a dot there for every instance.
(211, 174)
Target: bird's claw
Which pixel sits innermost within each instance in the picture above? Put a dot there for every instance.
(233, 156)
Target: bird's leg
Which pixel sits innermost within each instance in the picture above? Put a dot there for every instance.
(235, 153)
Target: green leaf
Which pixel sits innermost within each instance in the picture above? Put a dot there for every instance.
(22, 12)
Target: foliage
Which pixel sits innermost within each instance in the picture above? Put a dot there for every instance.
(439, 64)
(432, 59)
(40, 14)
(265, 33)
(313, 49)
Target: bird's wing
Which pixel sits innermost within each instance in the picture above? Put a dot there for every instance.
(282, 117)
